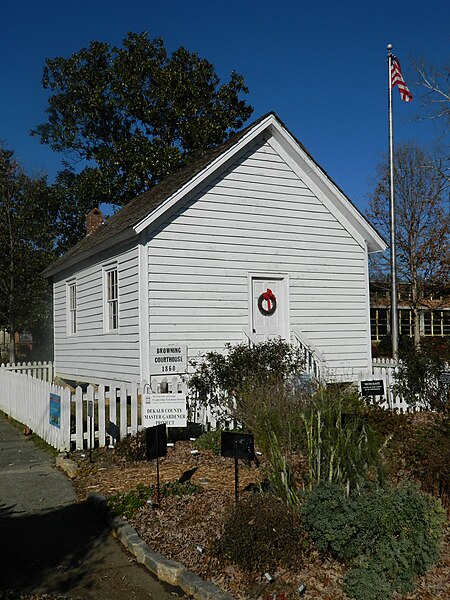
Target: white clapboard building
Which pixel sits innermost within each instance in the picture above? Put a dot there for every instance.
(251, 241)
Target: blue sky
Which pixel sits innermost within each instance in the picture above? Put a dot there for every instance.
(321, 66)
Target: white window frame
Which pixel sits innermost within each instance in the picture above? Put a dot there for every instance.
(111, 298)
(72, 307)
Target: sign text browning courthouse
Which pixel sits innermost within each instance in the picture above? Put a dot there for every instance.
(168, 359)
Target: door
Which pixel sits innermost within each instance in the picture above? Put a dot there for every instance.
(269, 307)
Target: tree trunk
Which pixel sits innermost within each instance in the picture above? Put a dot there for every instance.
(416, 312)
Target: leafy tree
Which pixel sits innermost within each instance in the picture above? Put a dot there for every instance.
(26, 248)
(422, 224)
(135, 114)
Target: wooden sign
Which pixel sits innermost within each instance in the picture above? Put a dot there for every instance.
(170, 409)
(168, 359)
(372, 387)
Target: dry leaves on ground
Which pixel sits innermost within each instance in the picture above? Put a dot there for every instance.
(182, 526)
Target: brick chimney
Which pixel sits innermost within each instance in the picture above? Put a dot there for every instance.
(94, 220)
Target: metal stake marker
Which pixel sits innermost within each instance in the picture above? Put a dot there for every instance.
(157, 470)
(236, 474)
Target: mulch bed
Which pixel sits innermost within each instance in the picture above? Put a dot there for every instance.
(179, 526)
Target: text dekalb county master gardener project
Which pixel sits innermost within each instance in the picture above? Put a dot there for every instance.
(170, 409)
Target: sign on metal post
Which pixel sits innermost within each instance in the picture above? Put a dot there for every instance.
(372, 387)
(168, 359)
(237, 445)
(169, 409)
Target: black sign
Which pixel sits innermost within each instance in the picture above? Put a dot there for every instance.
(237, 445)
(372, 387)
(156, 439)
(113, 431)
(444, 378)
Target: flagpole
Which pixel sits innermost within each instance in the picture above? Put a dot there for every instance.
(394, 308)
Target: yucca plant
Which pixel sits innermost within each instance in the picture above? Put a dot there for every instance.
(340, 445)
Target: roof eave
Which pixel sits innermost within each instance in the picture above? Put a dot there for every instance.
(71, 261)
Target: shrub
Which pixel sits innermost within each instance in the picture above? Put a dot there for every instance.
(417, 377)
(387, 535)
(210, 440)
(427, 455)
(127, 503)
(262, 532)
(133, 447)
(219, 380)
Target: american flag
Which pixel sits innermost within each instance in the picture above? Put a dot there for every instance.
(397, 79)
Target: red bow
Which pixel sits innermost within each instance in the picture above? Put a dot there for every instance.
(268, 297)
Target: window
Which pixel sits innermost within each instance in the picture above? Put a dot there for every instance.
(378, 323)
(72, 307)
(436, 322)
(111, 300)
(406, 318)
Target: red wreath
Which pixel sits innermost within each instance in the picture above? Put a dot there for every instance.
(269, 297)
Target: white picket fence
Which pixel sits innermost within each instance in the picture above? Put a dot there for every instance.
(36, 403)
(28, 400)
(62, 417)
(38, 370)
(384, 368)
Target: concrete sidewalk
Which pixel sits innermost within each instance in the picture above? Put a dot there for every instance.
(49, 544)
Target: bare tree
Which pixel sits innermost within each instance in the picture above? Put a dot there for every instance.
(435, 84)
(435, 104)
(422, 224)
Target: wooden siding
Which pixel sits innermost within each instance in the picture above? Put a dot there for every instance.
(92, 354)
(258, 217)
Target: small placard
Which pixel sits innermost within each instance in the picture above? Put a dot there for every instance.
(168, 359)
(444, 378)
(237, 445)
(113, 431)
(156, 440)
(90, 408)
(55, 410)
(170, 409)
(372, 387)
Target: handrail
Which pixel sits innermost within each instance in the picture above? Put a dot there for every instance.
(315, 360)
(249, 337)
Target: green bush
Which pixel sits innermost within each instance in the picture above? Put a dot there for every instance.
(262, 532)
(220, 379)
(387, 535)
(417, 376)
(133, 447)
(127, 503)
(210, 440)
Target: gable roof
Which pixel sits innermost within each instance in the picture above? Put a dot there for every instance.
(136, 215)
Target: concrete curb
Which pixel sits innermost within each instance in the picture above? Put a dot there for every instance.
(169, 571)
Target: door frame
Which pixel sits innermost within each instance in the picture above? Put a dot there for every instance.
(284, 277)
